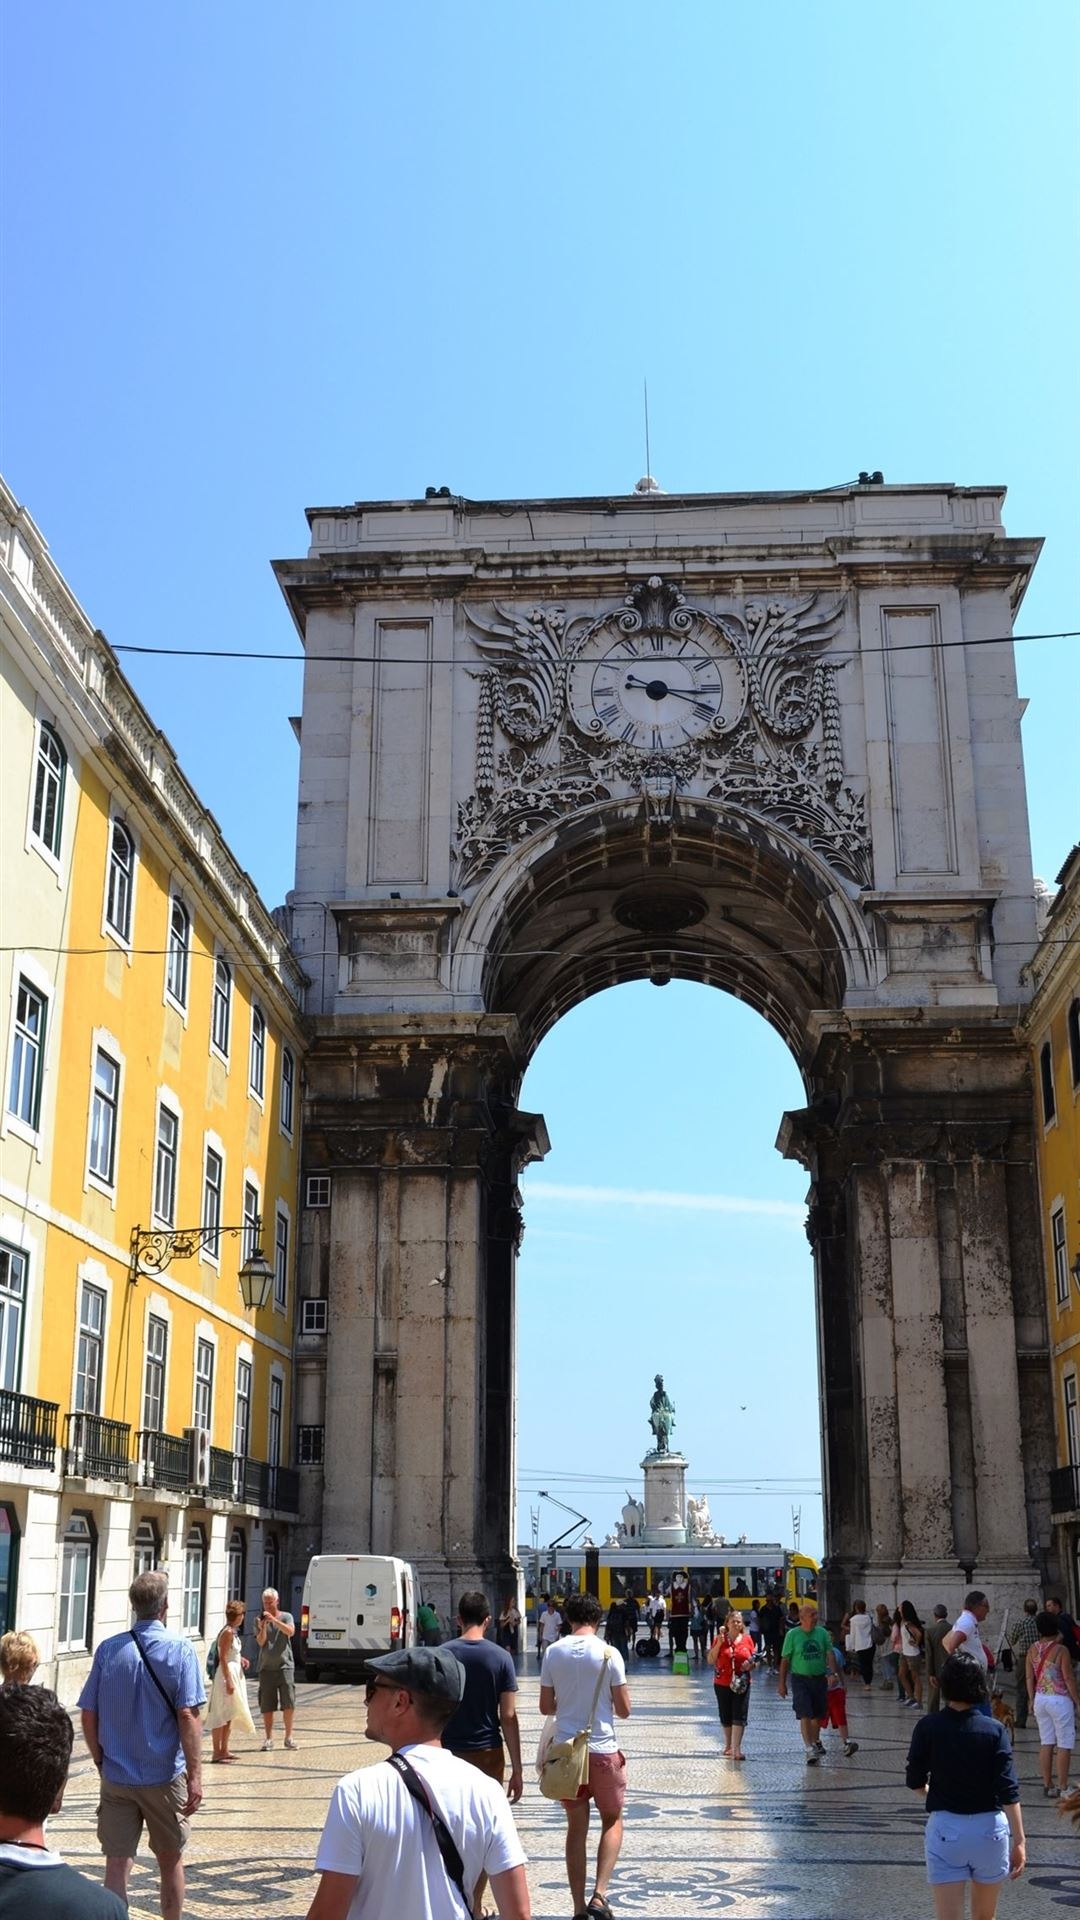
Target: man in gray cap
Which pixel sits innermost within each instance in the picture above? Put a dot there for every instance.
(416, 1844)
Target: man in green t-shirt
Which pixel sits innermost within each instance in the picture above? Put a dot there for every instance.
(807, 1653)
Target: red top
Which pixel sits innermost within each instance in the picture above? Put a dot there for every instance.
(732, 1656)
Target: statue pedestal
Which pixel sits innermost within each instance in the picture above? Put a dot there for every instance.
(665, 1500)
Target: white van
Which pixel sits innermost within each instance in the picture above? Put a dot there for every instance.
(355, 1605)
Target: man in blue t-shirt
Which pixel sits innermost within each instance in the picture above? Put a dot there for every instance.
(35, 1751)
(488, 1712)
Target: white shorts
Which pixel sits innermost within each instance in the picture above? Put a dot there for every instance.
(1056, 1718)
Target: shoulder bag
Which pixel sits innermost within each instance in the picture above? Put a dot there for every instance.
(566, 1768)
(171, 1704)
(444, 1839)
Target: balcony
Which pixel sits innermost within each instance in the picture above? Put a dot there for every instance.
(95, 1448)
(163, 1458)
(1064, 1491)
(235, 1476)
(27, 1430)
(226, 1479)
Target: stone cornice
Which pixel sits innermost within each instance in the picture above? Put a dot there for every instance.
(1054, 968)
(85, 666)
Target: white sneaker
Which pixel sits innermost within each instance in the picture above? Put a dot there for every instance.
(292, 1746)
(268, 1746)
(813, 1757)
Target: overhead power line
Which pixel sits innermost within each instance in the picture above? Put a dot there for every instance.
(395, 660)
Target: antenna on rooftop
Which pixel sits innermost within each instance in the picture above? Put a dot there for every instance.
(647, 484)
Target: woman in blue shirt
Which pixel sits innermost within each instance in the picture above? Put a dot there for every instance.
(962, 1761)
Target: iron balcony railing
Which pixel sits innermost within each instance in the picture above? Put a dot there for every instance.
(236, 1476)
(27, 1429)
(1064, 1489)
(164, 1459)
(95, 1448)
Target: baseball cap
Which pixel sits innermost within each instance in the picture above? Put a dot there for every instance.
(432, 1670)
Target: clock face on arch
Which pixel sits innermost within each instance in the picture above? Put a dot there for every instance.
(655, 690)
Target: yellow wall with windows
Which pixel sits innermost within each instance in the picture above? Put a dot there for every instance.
(1054, 1023)
(116, 1002)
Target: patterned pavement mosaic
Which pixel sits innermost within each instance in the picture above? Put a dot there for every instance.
(770, 1840)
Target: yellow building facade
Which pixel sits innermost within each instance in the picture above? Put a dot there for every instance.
(1054, 1025)
(153, 1051)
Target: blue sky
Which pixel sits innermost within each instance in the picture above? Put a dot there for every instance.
(263, 257)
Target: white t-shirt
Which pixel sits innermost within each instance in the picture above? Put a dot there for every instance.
(973, 1645)
(376, 1830)
(550, 1624)
(571, 1667)
(859, 1634)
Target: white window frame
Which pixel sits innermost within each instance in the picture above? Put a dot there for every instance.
(282, 1218)
(258, 1053)
(84, 1553)
(103, 1042)
(236, 1531)
(205, 1337)
(1059, 1253)
(287, 1080)
(167, 1102)
(52, 857)
(121, 937)
(196, 1554)
(14, 1315)
(25, 970)
(212, 1253)
(154, 1320)
(318, 1183)
(177, 899)
(90, 1284)
(277, 1379)
(314, 1315)
(219, 1052)
(250, 1190)
(1072, 1418)
(90, 1273)
(245, 1357)
(140, 1548)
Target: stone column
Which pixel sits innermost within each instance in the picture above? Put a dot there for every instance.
(665, 1500)
(414, 1120)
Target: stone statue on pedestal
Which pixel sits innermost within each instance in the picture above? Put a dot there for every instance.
(661, 1415)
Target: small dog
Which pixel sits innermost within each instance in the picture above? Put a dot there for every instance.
(1002, 1711)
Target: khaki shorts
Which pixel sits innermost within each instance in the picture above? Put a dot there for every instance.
(489, 1760)
(277, 1689)
(122, 1812)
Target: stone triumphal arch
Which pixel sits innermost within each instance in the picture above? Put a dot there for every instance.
(769, 742)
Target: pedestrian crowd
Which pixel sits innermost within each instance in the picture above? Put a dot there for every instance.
(432, 1840)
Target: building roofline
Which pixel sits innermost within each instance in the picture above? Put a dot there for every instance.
(38, 582)
(650, 502)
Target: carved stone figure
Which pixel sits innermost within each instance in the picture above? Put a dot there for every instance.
(661, 1415)
(633, 1520)
(699, 1521)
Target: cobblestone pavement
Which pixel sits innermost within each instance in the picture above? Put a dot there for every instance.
(771, 1840)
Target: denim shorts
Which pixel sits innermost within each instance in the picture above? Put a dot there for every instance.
(809, 1692)
(967, 1846)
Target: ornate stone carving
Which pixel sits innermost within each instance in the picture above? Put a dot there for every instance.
(657, 698)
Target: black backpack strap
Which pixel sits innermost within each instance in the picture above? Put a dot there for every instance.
(444, 1839)
(171, 1704)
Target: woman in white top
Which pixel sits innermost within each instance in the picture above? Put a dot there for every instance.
(228, 1693)
(860, 1643)
(911, 1654)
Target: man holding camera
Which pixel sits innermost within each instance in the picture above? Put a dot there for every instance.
(277, 1671)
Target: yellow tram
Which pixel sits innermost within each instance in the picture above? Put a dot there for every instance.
(742, 1573)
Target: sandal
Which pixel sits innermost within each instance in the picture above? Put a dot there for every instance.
(598, 1908)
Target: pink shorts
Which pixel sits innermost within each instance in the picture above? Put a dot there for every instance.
(606, 1783)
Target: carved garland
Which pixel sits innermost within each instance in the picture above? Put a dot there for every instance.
(772, 750)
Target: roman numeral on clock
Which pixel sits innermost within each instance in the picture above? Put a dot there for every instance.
(629, 731)
(607, 714)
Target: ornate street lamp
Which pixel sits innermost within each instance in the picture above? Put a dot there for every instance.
(155, 1248)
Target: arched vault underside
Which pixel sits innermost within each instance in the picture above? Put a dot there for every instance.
(719, 899)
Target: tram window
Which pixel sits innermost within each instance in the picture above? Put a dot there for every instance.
(738, 1578)
(628, 1582)
(806, 1583)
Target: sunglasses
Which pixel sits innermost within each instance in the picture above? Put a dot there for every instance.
(379, 1686)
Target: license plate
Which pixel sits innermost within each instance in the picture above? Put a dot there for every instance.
(327, 1633)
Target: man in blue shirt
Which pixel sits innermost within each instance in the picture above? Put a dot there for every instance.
(140, 1719)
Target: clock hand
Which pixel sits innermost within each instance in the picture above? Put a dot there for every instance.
(659, 689)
